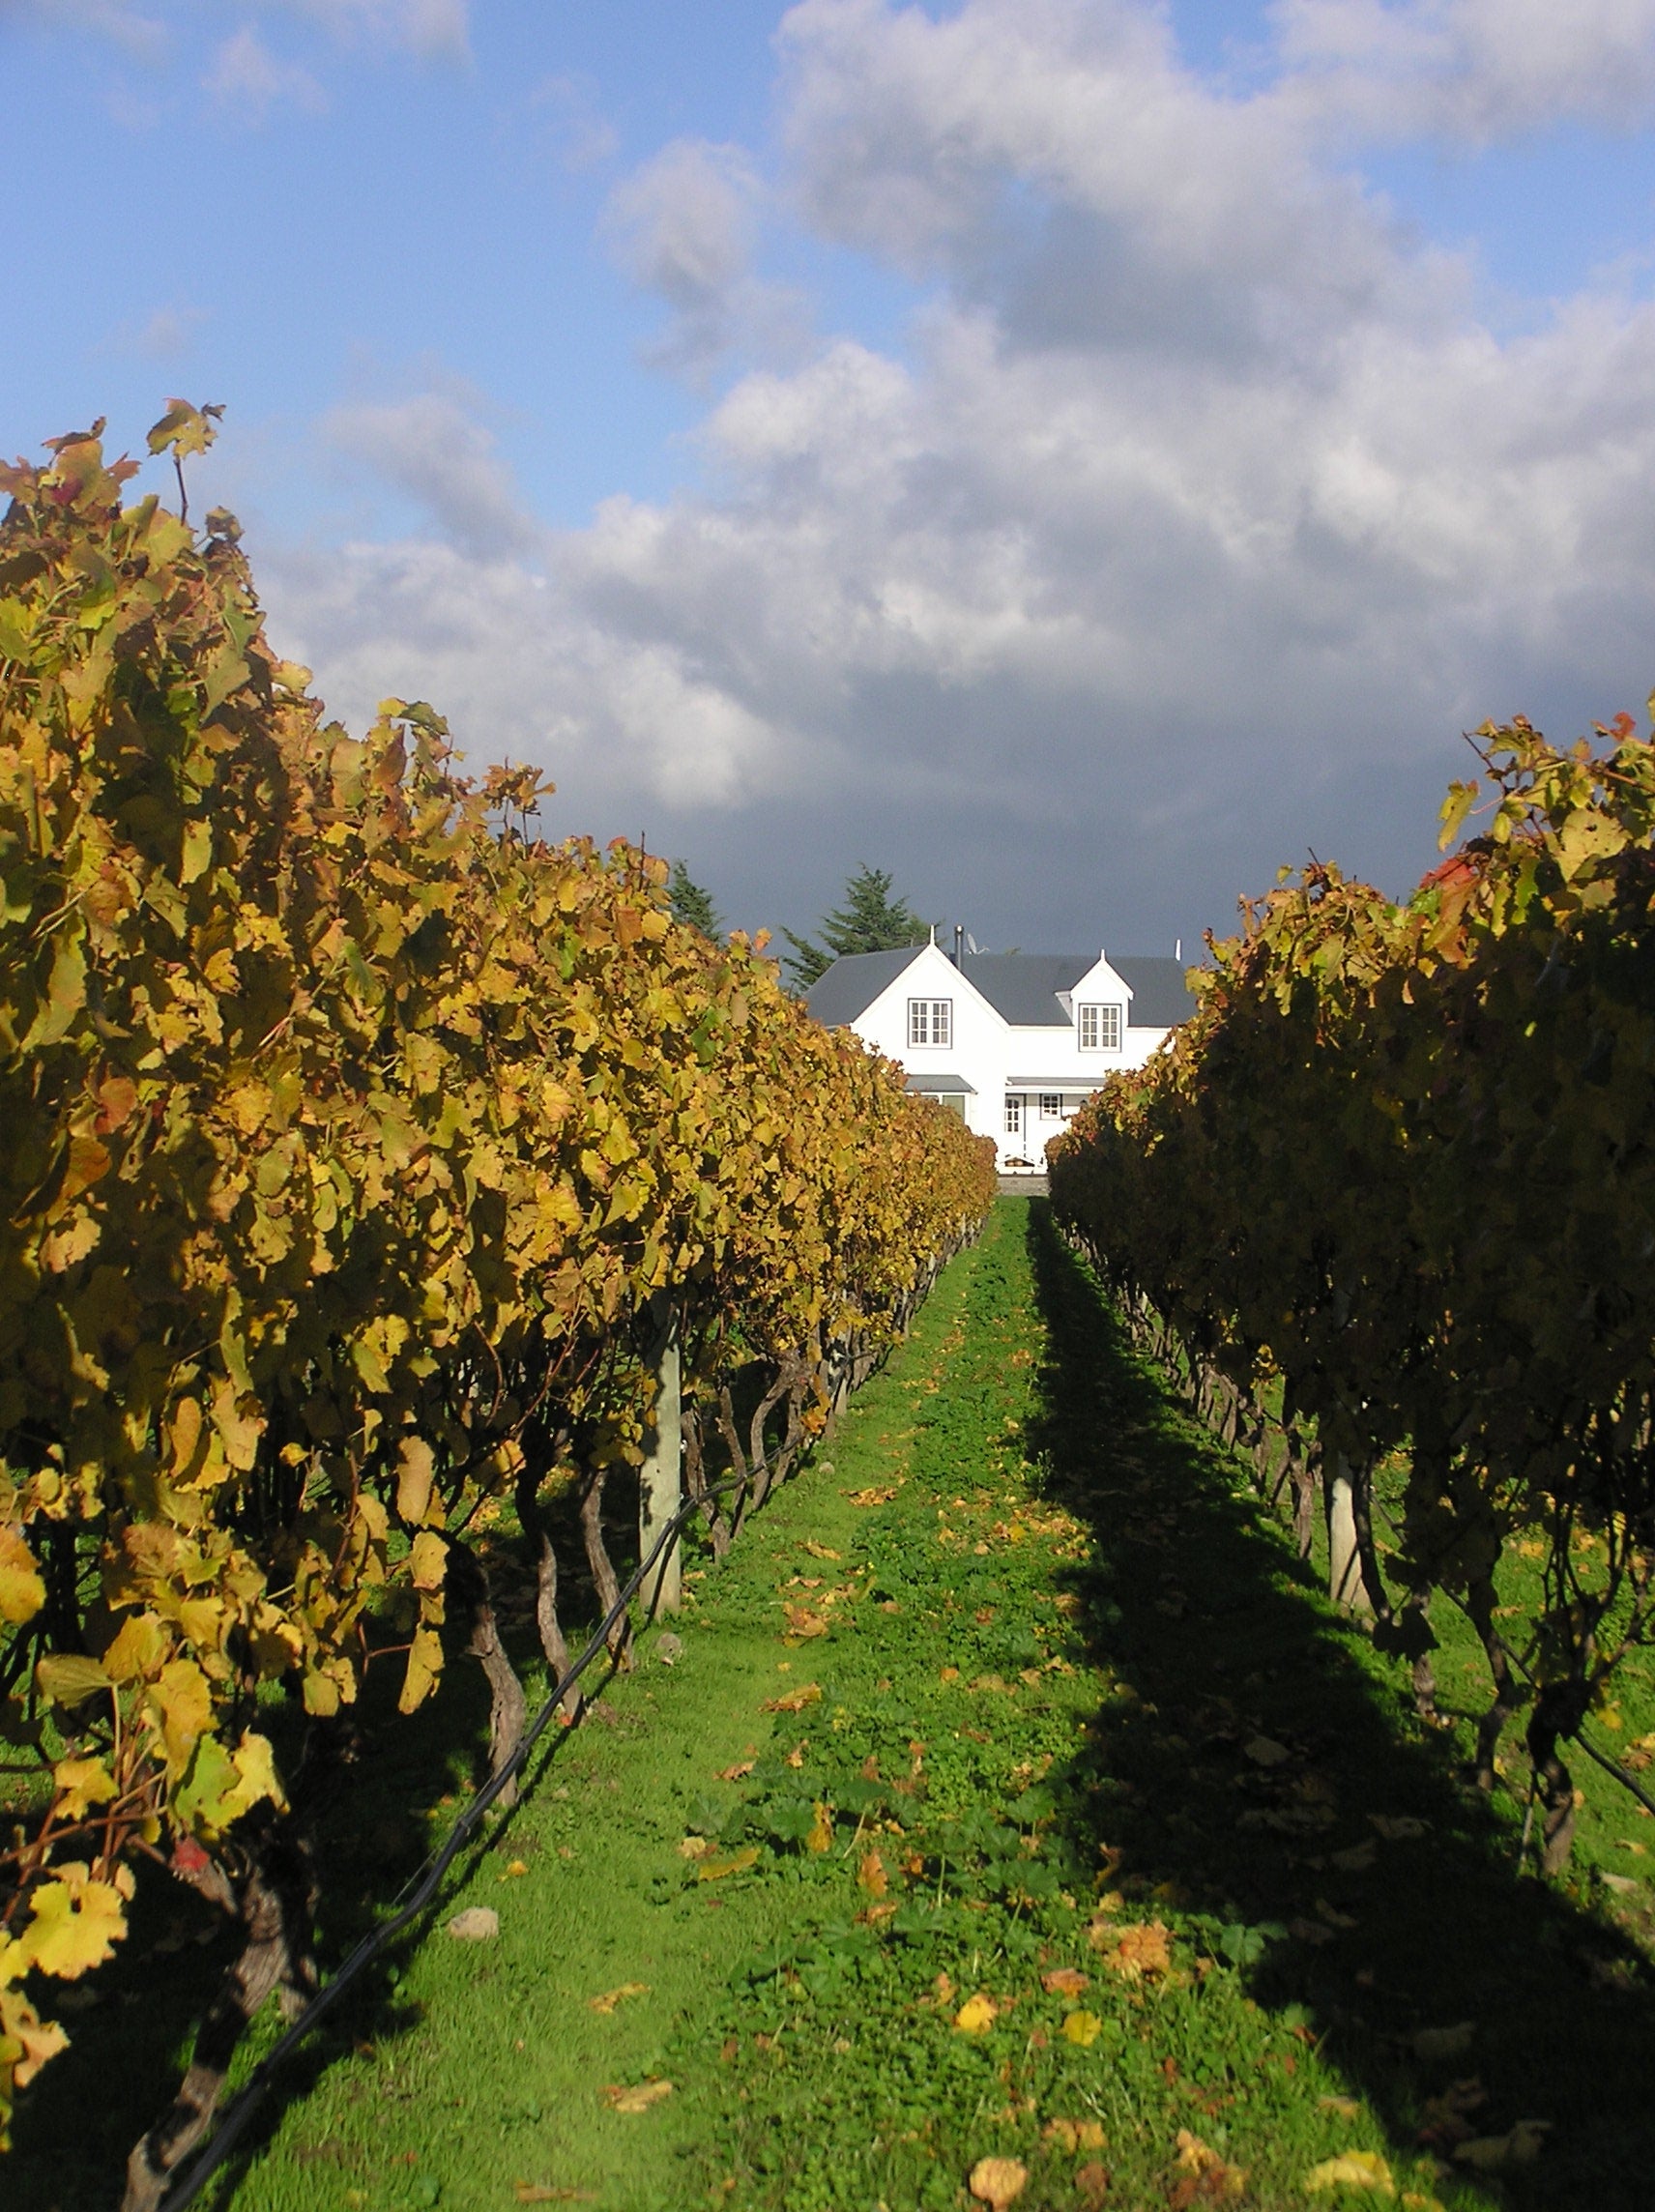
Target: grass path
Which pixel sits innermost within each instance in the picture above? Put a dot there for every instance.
(1013, 1797)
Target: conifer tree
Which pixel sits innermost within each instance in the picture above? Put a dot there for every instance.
(870, 921)
(692, 905)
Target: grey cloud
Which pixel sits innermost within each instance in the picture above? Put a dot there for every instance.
(684, 227)
(434, 450)
(1200, 519)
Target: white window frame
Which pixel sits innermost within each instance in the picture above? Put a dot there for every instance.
(1098, 1027)
(1014, 1113)
(931, 1022)
(1051, 1105)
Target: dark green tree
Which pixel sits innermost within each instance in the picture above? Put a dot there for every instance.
(870, 921)
(691, 905)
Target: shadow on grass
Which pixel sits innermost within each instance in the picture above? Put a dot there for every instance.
(1197, 1605)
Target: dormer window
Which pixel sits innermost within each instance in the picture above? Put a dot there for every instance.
(931, 1020)
(1100, 1028)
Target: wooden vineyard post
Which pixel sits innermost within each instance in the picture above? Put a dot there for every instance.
(661, 1477)
(1344, 1583)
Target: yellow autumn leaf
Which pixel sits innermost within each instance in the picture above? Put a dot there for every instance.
(1083, 2028)
(1074, 2135)
(257, 1779)
(22, 1592)
(1140, 1952)
(821, 1835)
(81, 1783)
(182, 1700)
(138, 1649)
(427, 1560)
(610, 1998)
(416, 1470)
(1352, 2170)
(977, 2015)
(74, 1923)
(871, 1875)
(728, 1863)
(424, 1664)
(639, 2099)
(998, 2181)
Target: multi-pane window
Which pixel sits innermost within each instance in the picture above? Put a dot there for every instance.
(930, 1020)
(1100, 1028)
(1050, 1106)
(1013, 1114)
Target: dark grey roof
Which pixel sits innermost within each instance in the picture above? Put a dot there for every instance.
(1022, 987)
(1160, 997)
(853, 982)
(943, 1086)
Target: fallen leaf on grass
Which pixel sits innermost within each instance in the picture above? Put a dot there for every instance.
(1357, 1860)
(802, 1624)
(1065, 1982)
(998, 2181)
(1352, 2170)
(819, 1551)
(610, 1998)
(821, 1835)
(1083, 2028)
(977, 2015)
(1347, 2108)
(739, 1772)
(1397, 1828)
(1093, 2182)
(1325, 1914)
(1074, 2135)
(477, 1923)
(638, 2100)
(873, 1497)
(1309, 1931)
(1265, 1751)
(1207, 2178)
(1433, 2044)
(871, 1875)
(1138, 1952)
(540, 2192)
(727, 1862)
(1520, 2145)
(694, 1848)
(796, 1700)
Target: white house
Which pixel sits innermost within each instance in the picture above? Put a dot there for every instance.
(1012, 1041)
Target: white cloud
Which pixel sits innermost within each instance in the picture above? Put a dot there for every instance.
(1469, 71)
(246, 77)
(583, 136)
(435, 27)
(685, 226)
(432, 449)
(1202, 514)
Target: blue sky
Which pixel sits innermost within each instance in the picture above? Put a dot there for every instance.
(1073, 452)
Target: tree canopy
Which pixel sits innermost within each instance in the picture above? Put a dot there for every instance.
(691, 904)
(870, 921)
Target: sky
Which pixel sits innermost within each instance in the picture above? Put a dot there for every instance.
(1080, 455)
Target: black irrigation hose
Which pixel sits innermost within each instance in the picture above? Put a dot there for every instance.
(242, 2106)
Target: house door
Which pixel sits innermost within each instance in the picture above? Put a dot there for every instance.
(1014, 1122)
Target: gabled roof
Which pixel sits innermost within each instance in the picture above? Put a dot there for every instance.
(856, 979)
(943, 1086)
(1161, 999)
(1022, 987)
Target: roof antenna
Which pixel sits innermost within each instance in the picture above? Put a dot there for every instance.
(959, 943)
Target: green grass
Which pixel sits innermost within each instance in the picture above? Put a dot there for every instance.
(1056, 1652)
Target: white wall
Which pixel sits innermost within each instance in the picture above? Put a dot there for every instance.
(987, 1051)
